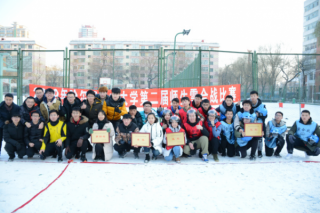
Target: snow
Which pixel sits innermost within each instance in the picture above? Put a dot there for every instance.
(128, 185)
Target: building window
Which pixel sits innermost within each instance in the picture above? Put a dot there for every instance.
(211, 69)
(96, 53)
(119, 53)
(135, 46)
(135, 60)
(309, 37)
(311, 6)
(127, 64)
(96, 46)
(127, 56)
(75, 53)
(141, 82)
(205, 55)
(211, 62)
(205, 62)
(89, 56)
(119, 46)
(134, 53)
(81, 67)
(143, 54)
(310, 26)
(150, 47)
(80, 74)
(205, 69)
(142, 75)
(29, 46)
(112, 47)
(127, 45)
(143, 47)
(311, 16)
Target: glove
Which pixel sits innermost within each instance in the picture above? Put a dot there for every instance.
(18, 146)
(280, 141)
(91, 131)
(311, 142)
(292, 138)
(159, 109)
(80, 141)
(117, 110)
(108, 130)
(67, 150)
(121, 142)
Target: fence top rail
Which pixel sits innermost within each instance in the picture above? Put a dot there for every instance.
(1, 50)
(111, 50)
(223, 51)
(42, 50)
(288, 54)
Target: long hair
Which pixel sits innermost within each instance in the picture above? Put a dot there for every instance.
(105, 116)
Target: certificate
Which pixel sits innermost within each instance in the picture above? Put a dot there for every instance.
(175, 139)
(140, 139)
(253, 129)
(100, 136)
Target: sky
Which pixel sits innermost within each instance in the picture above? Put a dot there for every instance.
(236, 25)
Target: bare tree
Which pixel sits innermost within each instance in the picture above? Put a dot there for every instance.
(54, 76)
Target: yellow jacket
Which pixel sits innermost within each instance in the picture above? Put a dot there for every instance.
(53, 133)
(109, 108)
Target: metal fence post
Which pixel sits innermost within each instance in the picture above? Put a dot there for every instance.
(255, 71)
(200, 66)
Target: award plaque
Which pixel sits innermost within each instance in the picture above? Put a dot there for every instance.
(175, 139)
(100, 136)
(253, 129)
(140, 139)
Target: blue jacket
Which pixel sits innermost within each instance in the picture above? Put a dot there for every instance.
(6, 115)
(144, 117)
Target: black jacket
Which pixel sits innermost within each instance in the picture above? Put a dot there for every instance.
(98, 96)
(92, 112)
(38, 101)
(137, 120)
(13, 134)
(77, 131)
(6, 115)
(66, 109)
(33, 134)
(25, 113)
(124, 132)
(204, 131)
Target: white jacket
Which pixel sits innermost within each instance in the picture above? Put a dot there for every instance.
(156, 134)
(107, 147)
(167, 152)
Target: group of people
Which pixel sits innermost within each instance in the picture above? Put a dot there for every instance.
(47, 126)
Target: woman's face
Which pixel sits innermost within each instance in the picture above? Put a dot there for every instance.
(174, 124)
(211, 118)
(167, 117)
(151, 119)
(101, 116)
(192, 117)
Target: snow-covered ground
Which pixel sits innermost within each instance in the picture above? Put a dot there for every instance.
(128, 185)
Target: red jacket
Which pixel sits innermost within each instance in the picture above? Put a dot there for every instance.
(168, 130)
(206, 124)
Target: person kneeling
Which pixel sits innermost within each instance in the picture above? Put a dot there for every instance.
(102, 151)
(275, 132)
(153, 127)
(33, 136)
(55, 133)
(13, 136)
(304, 135)
(123, 137)
(77, 135)
(197, 136)
(243, 143)
(177, 151)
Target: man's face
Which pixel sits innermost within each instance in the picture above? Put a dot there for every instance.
(103, 95)
(192, 117)
(254, 98)
(29, 103)
(305, 117)
(205, 106)
(278, 117)
(76, 115)
(229, 115)
(229, 101)
(246, 121)
(15, 119)
(211, 118)
(8, 101)
(175, 104)
(132, 112)
(197, 100)
(53, 116)
(115, 96)
(35, 118)
(247, 107)
(147, 108)
(126, 122)
(39, 94)
(49, 95)
(90, 97)
(71, 98)
(185, 103)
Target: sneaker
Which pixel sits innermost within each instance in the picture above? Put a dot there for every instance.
(96, 159)
(60, 159)
(205, 158)
(215, 157)
(83, 158)
(10, 159)
(42, 157)
(252, 157)
(147, 159)
(20, 157)
(136, 155)
(223, 154)
(259, 154)
(154, 157)
(178, 160)
(288, 157)
(77, 155)
(194, 151)
(277, 155)
(186, 156)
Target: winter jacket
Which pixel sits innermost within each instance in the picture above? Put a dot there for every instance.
(156, 133)
(91, 112)
(137, 120)
(103, 101)
(192, 132)
(237, 120)
(239, 139)
(274, 122)
(124, 132)
(38, 101)
(54, 131)
(67, 107)
(204, 112)
(214, 130)
(170, 108)
(294, 130)
(33, 134)
(167, 150)
(25, 113)
(223, 108)
(107, 147)
(193, 104)
(6, 115)
(109, 109)
(262, 111)
(144, 118)
(77, 130)
(45, 109)
(13, 134)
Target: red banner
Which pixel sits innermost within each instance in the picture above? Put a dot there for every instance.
(163, 97)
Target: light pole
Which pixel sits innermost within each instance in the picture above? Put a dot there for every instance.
(184, 32)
